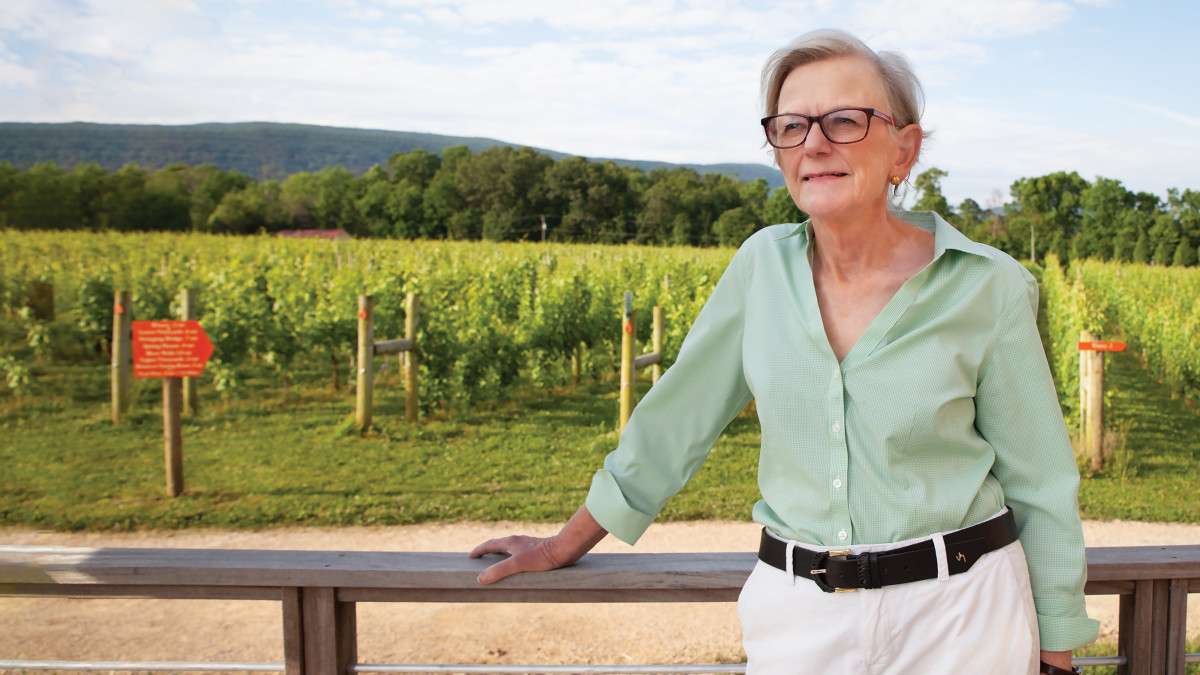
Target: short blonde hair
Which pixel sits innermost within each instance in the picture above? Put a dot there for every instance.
(901, 88)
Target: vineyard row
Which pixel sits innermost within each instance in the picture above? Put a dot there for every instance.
(489, 312)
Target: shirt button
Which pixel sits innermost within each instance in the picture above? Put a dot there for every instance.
(842, 535)
(837, 428)
(837, 482)
(836, 374)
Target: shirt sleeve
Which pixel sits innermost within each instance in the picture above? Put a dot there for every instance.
(674, 426)
(1017, 412)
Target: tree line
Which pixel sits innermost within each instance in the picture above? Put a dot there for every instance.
(499, 194)
(1064, 214)
(514, 194)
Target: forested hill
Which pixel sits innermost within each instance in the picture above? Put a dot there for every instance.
(264, 150)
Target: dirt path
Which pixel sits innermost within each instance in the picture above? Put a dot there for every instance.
(161, 630)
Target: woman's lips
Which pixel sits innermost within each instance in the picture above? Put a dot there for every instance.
(824, 174)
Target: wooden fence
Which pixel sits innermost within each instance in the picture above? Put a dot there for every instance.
(318, 592)
(631, 362)
(368, 349)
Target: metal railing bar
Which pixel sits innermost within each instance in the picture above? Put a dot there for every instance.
(1090, 661)
(491, 669)
(255, 667)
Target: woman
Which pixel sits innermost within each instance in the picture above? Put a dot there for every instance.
(913, 449)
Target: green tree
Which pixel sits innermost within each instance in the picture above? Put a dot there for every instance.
(209, 184)
(445, 206)
(1164, 237)
(10, 178)
(44, 198)
(735, 225)
(781, 208)
(973, 221)
(1185, 255)
(418, 167)
(929, 185)
(255, 208)
(91, 184)
(1141, 250)
(592, 201)
(1186, 208)
(670, 207)
(1103, 205)
(372, 204)
(1050, 207)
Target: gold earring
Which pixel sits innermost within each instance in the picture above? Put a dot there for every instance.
(896, 180)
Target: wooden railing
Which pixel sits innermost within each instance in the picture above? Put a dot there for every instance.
(319, 590)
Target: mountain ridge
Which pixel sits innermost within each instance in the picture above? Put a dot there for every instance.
(265, 150)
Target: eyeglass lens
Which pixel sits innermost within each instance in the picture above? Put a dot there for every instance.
(839, 126)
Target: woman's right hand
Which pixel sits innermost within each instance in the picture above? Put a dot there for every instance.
(537, 554)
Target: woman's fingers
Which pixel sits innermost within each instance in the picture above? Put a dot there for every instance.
(526, 554)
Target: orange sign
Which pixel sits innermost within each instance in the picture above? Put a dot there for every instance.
(169, 349)
(1101, 346)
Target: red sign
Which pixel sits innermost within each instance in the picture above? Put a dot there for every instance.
(169, 349)
(1101, 346)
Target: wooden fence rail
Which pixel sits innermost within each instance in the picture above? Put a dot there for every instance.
(318, 592)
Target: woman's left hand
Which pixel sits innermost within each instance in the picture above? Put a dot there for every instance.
(1057, 659)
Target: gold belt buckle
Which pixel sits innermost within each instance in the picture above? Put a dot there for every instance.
(840, 552)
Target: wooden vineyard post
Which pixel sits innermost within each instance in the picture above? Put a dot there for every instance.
(1085, 374)
(412, 305)
(187, 312)
(628, 370)
(365, 362)
(173, 434)
(171, 351)
(1096, 409)
(1091, 394)
(657, 343)
(121, 353)
(368, 349)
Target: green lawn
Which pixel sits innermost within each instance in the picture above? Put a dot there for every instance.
(268, 458)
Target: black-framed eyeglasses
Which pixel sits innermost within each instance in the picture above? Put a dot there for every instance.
(844, 125)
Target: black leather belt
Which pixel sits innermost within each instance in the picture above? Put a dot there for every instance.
(839, 571)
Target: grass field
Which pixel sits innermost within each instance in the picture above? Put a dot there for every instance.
(270, 458)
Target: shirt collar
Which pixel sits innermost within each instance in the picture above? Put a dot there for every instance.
(945, 236)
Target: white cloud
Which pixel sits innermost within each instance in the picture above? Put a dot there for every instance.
(671, 80)
(15, 75)
(1167, 113)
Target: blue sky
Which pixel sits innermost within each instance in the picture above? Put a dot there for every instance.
(1014, 88)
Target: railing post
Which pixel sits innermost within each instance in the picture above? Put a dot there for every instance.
(656, 372)
(122, 353)
(1177, 596)
(628, 370)
(412, 306)
(1135, 630)
(329, 627)
(293, 631)
(365, 362)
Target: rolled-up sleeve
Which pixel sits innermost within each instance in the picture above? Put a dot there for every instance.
(1017, 412)
(673, 428)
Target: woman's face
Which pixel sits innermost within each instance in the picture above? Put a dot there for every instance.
(835, 181)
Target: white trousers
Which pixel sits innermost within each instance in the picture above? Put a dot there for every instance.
(980, 622)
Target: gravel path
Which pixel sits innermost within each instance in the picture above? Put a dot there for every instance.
(202, 630)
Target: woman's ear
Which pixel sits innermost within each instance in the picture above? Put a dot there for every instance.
(910, 138)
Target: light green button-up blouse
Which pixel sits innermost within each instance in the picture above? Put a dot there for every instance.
(942, 413)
